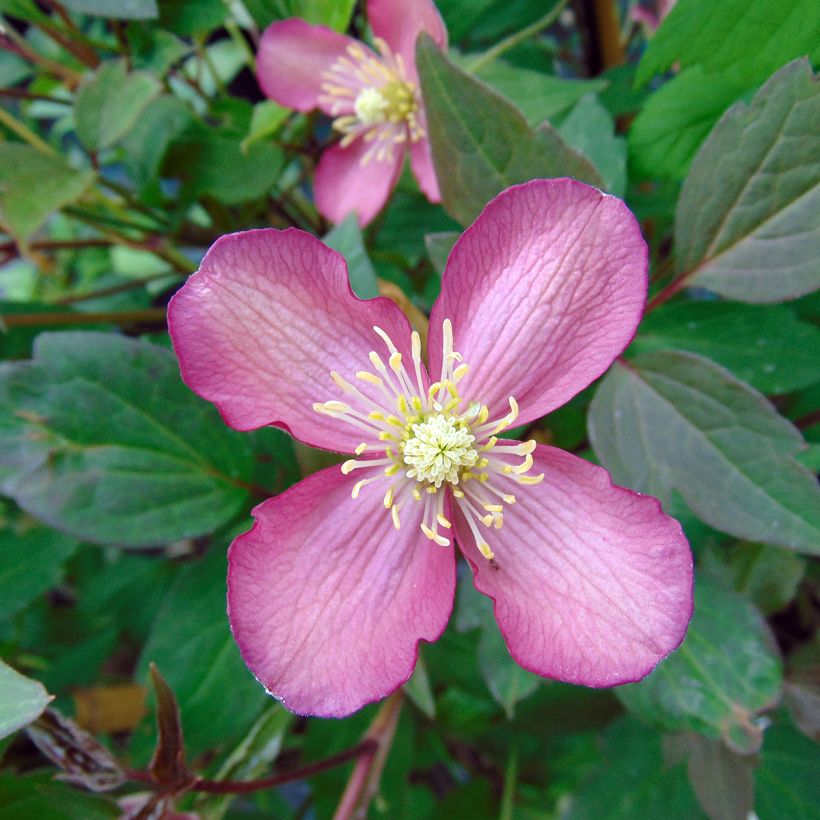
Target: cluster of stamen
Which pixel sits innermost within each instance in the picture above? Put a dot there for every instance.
(373, 99)
(429, 440)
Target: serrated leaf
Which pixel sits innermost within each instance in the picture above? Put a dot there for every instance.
(120, 9)
(748, 219)
(786, 783)
(346, 238)
(748, 37)
(192, 643)
(539, 96)
(22, 700)
(482, 143)
(721, 677)
(30, 563)
(109, 105)
(100, 439)
(676, 421)
(767, 347)
(33, 185)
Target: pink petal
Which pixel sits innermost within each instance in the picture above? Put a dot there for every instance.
(344, 183)
(292, 57)
(328, 601)
(399, 23)
(594, 582)
(421, 161)
(544, 290)
(263, 323)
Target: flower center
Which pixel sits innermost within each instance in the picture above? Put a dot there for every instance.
(372, 97)
(431, 443)
(438, 449)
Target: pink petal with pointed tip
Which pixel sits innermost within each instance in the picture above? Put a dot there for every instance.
(263, 323)
(328, 602)
(544, 290)
(594, 582)
(421, 161)
(292, 57)
(344, 184)
(399, 23)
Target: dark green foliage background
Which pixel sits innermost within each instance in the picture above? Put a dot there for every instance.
(133, 134)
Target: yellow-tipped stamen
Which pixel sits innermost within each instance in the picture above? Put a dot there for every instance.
(432, 444)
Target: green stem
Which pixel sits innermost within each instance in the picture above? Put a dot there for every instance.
(25, 133)
(514, 39)
(510, 781)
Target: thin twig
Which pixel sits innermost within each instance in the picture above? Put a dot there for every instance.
(114, 317)
(518, 37)
(365, 748)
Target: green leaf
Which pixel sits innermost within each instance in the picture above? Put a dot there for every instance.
(748, 219)
(22, 700)
(33, 185)
(251, 759)
(268, 117)
(507, 681)
(145, 145)
(100, 438)
(346, 238)
(635, 781)
(539, 96)
(767, 576)
(31, 562)
(725, 673)
(786, 784)
(120, 9)
(439, 246)
(109, 105)
(590, 129)
(748, 38)
(674, 420)
(722, 779)
(675, 120)
(214, 164)
(418, 689)
(192, 643)
(38, 795)
(188, 19)
(482, 143)
(768, 347)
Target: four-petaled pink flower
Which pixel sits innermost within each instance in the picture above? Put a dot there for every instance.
(374, 98)
(343, 574)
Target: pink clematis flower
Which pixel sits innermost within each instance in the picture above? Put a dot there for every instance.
(374, 98)
(343, 574)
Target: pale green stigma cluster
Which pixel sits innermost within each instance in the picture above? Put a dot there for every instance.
(439, 449)
(371, 97)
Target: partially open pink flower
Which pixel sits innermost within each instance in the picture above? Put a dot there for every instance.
(343, 574)
(374, 98)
